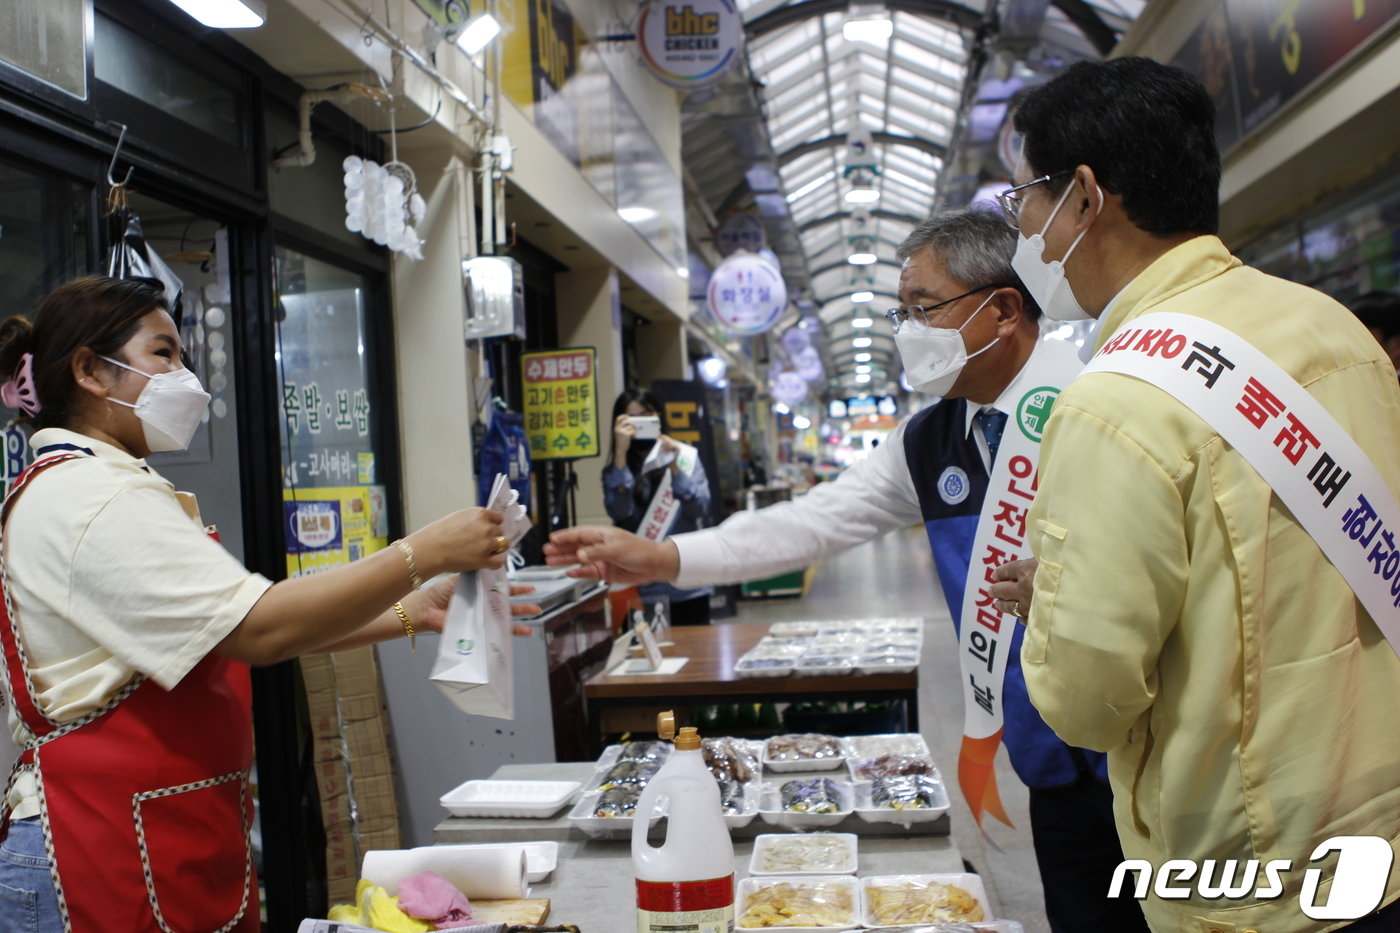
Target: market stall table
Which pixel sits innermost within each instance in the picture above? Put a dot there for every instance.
(592, 884)
(709, 677)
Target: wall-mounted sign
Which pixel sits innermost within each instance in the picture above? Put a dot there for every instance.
(690, 43)
(561, 404)
(746, 294)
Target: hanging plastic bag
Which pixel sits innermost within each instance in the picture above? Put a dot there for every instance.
(475, 666)
(131, 258)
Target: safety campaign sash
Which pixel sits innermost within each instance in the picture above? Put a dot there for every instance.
(664, 506)
(984, 637)
(1311, 462)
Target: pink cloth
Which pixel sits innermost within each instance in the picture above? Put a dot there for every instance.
(429, 896)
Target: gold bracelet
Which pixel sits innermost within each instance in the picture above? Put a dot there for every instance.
(407, 549)
(407, 626)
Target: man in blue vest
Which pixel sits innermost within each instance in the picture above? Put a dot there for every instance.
(967, 332)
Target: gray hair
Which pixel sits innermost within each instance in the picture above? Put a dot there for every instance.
(974, 245)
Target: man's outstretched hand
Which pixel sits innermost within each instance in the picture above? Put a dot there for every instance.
(613, 555)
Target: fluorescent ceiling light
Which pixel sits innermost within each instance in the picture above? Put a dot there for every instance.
(635, 215)
(811, 186)
(864, 368)
(781, 408)
(862, 322)
(860, 343)
(862, 195)
(867, 30)
(481, 29)
(801, 422)
(683, 272)
(863, 378)
(863, 357)
(861, 259)
(861, 297)
(712, 369)
(226, 14)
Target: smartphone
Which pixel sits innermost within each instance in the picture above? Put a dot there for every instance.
(648, 426)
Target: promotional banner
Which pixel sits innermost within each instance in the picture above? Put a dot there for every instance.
(330, 526)
(984, 633)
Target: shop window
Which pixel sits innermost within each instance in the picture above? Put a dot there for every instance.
(334, 493)
(44, 242)
(150, 74)
(47, 42)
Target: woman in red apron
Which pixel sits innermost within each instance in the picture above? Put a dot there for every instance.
(127, 635)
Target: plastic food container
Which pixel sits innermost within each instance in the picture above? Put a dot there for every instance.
(915, 885)
(537, 799)
(888, 663)
(771, 808)
(866, 809)
(584, 818)
(794, 628)
(783, 753)
(804, 854)
(838, 895)
(765, 667)
(862, 750)
(824, 665)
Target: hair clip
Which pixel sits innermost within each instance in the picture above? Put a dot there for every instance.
(19, 392)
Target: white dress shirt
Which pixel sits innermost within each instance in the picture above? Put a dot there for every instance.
(874, 496)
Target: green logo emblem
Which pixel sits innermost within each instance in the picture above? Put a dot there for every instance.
(1034, 411)
(465, 645)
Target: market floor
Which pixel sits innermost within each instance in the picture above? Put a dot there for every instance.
(893, 576)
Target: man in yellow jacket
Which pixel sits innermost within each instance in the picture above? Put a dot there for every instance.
(1181, 618)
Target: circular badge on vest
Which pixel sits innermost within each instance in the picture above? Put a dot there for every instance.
(1034, 411)
(953, 485)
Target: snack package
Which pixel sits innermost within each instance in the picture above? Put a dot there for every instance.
(819, 795)
(904, 792)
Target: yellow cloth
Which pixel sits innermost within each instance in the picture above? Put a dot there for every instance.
(374, 908)
(1187, 625)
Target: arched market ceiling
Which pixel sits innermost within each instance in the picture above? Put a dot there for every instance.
(908, 91)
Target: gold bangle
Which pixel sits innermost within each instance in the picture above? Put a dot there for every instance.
(407, 550)
(407, 627)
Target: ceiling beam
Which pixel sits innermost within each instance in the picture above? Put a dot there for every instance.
(843, 264)
(962, 16)
(1087, 19)
(840, 215)
(934, 149)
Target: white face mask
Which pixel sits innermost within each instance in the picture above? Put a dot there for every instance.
(1046, 280)
(933, 356)
(170, 407)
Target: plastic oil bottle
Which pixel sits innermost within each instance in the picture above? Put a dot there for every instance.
(685, 885)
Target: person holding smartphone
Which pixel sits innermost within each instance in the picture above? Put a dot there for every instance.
(656, 486)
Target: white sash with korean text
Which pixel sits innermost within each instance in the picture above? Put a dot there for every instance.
(984, 637)
(1317, 470)
(664, 506)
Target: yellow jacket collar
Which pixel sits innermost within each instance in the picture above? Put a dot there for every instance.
(1179, 268)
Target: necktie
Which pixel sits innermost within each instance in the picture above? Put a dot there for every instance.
(992, 423)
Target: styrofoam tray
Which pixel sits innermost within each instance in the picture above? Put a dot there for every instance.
(749, 885)
(541, 858)
(607, 827)
(782, 765)
(825, 665)
(863, 749)
(536, 799)
(843, 865)
(981, 926)
(873, 814)
(771, 807)
(970, 883)
(794, 628)
(764, 667)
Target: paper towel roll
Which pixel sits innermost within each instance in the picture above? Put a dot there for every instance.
(486, 873)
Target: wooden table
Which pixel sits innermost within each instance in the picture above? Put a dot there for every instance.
(709, 677)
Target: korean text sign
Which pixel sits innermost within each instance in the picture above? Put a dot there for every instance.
(561, 404)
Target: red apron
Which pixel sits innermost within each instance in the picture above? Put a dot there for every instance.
(145, 804)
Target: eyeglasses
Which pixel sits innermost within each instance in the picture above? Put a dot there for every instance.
(1010, 204)
(921, 315)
